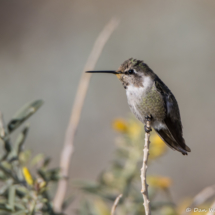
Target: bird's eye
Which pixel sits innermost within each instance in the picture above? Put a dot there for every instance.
(131, 71)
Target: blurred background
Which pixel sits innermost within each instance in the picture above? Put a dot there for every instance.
(44, 47)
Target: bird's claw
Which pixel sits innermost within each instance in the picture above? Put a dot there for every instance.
(148, 117)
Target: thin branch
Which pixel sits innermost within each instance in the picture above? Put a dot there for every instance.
(9, 173)
(144, 190)
(116, 202)
(76, 112)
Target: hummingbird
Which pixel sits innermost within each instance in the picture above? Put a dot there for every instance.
(150, 99)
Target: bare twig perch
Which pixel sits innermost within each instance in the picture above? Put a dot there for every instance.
(115, 204)
(76, 112)
(144, 190)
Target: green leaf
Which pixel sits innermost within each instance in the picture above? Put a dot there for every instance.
(19, 206)
(6, 165)
(46, 162)
(95, 189)
(23, 114)
(21, 191)
(21, 212)
(5, 207)
(5, 187)
(7, 146)
(87, 186)
(85, 208)
(5, 211)
(68, 202)
(6, 168)
(11, 198)
(18, 144)
(24, 156)
(3, 177)
(50, 175)
(42, 174)
(37, 159)
(110, 197)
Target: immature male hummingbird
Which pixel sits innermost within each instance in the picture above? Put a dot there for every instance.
(149, 98)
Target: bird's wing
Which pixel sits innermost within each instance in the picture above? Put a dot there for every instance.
(172, 119)
(166, 136)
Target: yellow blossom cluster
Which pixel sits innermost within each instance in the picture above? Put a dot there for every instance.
(39, 183)
(157, 147)
(134, 130)
(27, 175)
(159, 182)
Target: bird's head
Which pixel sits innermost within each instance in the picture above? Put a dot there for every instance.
(131, 72)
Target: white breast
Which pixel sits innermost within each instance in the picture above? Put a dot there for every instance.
(147, 83)
(136, 94)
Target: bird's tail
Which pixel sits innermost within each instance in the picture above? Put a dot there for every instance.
(171, 142)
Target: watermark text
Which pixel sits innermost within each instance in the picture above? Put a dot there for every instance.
(203, 210)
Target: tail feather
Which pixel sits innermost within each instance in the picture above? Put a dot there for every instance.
(171, 142)
(175, 130)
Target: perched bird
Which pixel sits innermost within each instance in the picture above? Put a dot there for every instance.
(150, 99)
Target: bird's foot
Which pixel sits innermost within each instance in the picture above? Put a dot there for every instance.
(148, 119)
(147, 130)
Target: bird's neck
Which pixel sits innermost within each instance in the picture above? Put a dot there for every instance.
(139, 91)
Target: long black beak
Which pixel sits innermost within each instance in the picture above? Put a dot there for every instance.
(111, 72)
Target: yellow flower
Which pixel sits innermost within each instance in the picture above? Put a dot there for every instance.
(134, 129)
(120, 125)
(27, 176)
(159, 182)
(157, 147)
